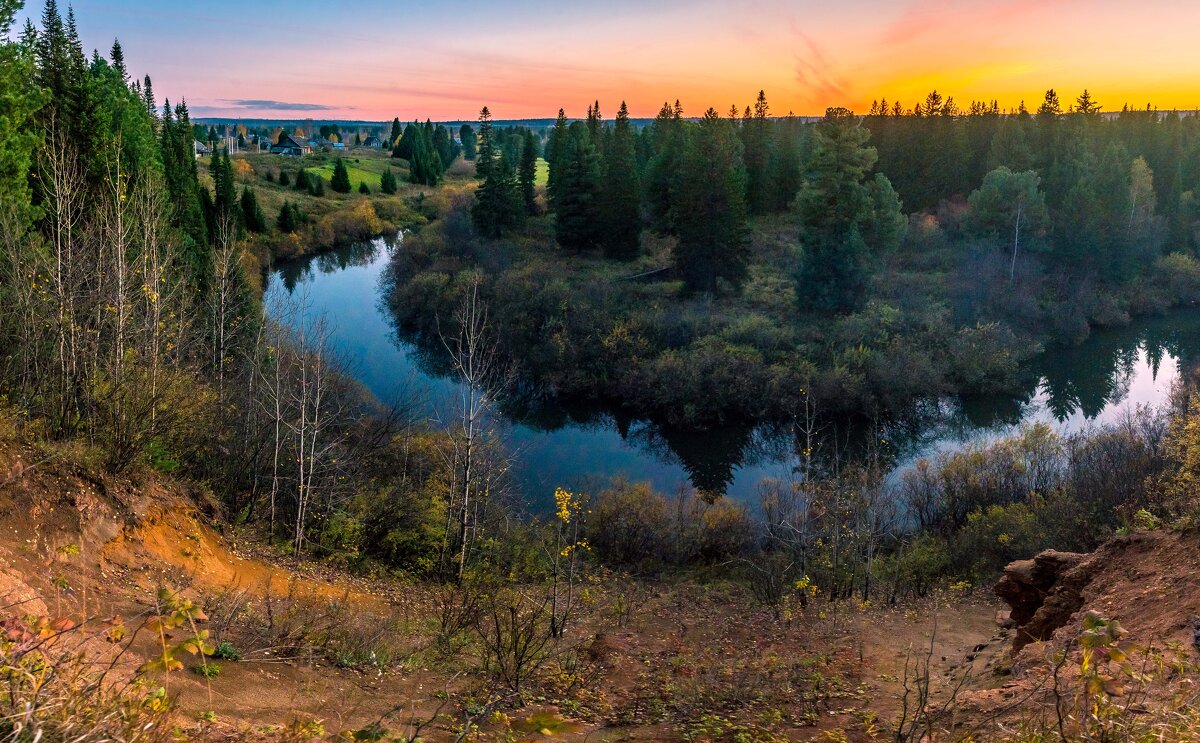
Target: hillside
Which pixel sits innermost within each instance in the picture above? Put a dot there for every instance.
(306, 652)
(1099, 646)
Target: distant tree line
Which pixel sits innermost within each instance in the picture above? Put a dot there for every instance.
(1083, 193)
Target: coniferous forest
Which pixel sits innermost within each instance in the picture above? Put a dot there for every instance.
(722, 264)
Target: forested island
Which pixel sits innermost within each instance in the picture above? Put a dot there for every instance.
(740, 265)
(209, 510)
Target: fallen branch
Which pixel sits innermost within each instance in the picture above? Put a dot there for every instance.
(644, 274)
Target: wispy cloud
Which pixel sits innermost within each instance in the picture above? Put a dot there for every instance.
(816, 74)
(282, 106)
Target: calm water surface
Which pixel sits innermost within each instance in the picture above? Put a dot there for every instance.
(1070, 389)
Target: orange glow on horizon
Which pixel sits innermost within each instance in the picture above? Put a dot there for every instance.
(525, 60)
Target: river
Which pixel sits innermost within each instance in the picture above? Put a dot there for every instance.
(1070, 389)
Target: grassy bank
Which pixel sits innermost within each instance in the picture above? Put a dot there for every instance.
(328, 220)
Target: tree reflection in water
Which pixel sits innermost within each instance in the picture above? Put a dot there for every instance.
(595, 440)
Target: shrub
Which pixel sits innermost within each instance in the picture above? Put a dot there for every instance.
(345, 632)
(634, 526)
(514, 633)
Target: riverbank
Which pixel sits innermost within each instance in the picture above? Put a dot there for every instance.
(1095, 383)
(579, 327)
(323, 220)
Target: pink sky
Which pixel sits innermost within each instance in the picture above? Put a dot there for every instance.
(445, 60)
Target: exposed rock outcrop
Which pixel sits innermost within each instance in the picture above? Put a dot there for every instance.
(1043, 593)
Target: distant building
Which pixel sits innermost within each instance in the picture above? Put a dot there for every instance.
(201, 149)
(291, 147)
(373, 142)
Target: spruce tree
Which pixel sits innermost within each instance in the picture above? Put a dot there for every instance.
(18, 135)
(387, 182)
(577, 215)
(620, 192)
(709, 208)
(469, 142)
(221, 170)
(117, 60)
(445, 147)
(252, 213)
(666, 141)
(786, 176)
(757, 146)
(486, 156)
(527, 173)
(403, 148)
(289, 218)
(177, 146)
(556, 148)
(148, 98)
(594, 123)
(498, 205)
(364, 189)
(341, 177)
(424, 164)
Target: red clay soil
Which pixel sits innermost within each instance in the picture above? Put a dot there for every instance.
(1149, 582)
(688, 661)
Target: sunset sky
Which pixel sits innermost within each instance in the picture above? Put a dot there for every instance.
(376, 59)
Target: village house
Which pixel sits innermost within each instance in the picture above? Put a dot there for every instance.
(291, 146)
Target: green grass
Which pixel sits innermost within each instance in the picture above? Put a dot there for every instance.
(543, 173)
(357, 174)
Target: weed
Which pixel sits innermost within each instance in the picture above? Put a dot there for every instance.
(208, 671)
(227, 651)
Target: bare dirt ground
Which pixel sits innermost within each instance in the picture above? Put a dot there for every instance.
(643, 661)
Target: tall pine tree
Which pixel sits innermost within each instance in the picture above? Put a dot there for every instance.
(498, 204)
(487, 154)
(709, 208)
(620, 192)
(576, 214)
(527, 172)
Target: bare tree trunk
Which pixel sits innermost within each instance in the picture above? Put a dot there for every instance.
(474, 358)
(1012, 271)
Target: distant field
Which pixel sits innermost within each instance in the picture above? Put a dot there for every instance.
(364, 166)
(543, 173)
(358, 174)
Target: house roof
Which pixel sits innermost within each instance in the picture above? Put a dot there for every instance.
(289, 141)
